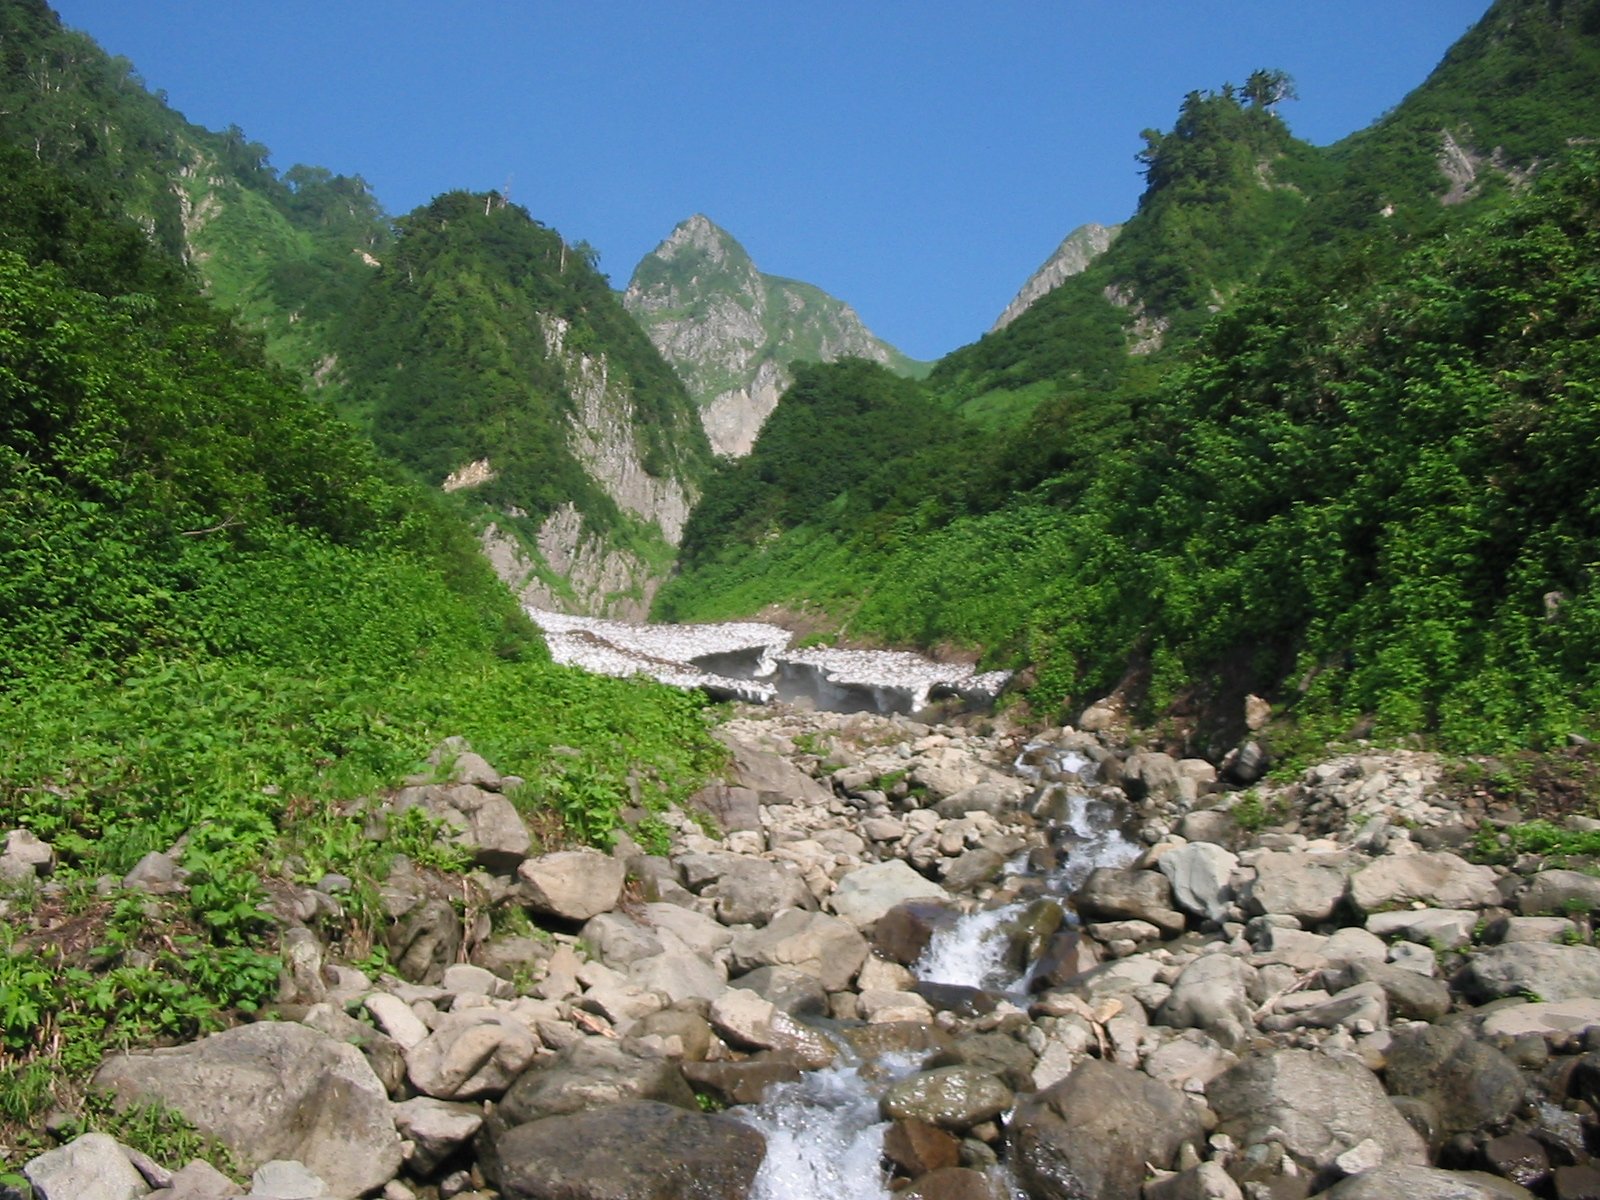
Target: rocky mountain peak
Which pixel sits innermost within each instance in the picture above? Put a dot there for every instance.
(1076, 251)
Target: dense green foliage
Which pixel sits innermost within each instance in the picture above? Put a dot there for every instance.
(226, 624)
(1364, 488)
(453, 354)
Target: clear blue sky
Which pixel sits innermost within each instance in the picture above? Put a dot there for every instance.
(917, 158)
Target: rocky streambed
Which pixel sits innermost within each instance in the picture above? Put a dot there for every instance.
(929, 960)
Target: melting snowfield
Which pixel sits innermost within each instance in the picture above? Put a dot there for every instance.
(750, 660)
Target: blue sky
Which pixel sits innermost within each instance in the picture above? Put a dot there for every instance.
(916, 159)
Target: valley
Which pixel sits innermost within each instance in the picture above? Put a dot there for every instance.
(470, 731)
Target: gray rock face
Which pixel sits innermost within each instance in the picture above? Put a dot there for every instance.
(471, 1054)
(1559, 893)
(425, 936)
(1089, 1136)
(1436, 878)
(572, 885)
(91, 1167)
(1532, 969)
(1212, 994)
(1315, 1105)
(274, 1090)
(1076, 251)
(636, 1151)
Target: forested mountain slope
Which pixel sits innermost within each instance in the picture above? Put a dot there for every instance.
(1359, 490)
(735, 334)
(600, 455)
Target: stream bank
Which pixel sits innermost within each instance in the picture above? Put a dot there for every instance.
(1306, 990)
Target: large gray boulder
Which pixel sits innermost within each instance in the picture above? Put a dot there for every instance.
(572, 885)
(867, 893)
(1469, 1084)
(1560, 893)
(1532, 969)
(830, 948)
(484, 823)
(274, 1090)
(774, 780)
(472, 1054)
(955, 1098)
(1436, 879)
(1212, 993)
(747, 891)
(1126, 894)
(1090, 1136)
(635, 1151)
(91, 1167)
(1306, 887)
(1316, 1106)
(591, 1073)
(1200, 874)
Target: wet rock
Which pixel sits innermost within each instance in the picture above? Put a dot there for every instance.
(1112, 893)
(1469, 1084)
(902, 933)
(954, 1183)
(274, 1090)
(91, 1167)
(1068, 956)
(997, 1053)
(1316, 1106)
(1517, 1157)
(1437, 879)
(1092, 1134)
(973, 869)
(571, 885)
(917, 1147)
(1580, 1182)
(955, 1098)
(743, 1082)
(635, 1151)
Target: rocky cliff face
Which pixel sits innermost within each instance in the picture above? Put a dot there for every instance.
(1077, 250)
(731, 331)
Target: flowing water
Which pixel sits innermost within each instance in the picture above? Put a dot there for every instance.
(824, 1133)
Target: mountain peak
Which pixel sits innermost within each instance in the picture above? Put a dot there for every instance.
(1076, 251)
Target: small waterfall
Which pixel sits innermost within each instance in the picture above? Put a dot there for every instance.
(824, 1137)
(969, 952)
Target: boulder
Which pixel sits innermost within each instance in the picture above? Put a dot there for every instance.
(746, 1021)
(274, 1090)
(1115, 893)
(1316, 1106)
(1092, 1134)
(917, 1147)
(1560, 893)
(1436, 878)
(774, 780)
(425, 936)
(1212, 994)
(1200, 875)
(955, 1098)
(91, 1167)
(830, 948)
(1152, 775)
(902, 933)
(1411, 996)
(1532, 969)
(1447, 927)
(1469, 1084)
(867, 893)
(572, 885)
(472, 1054)
(634, 1151)
(1295, 885)
(1208, 1181)
(750, 891)
(591, 1073)
(798, 993)
(954, 1183)
(1552, 1020)
(1424, 1183)
(26, 856)
(743, 1082)
(435, 1129)
(731, 808)
(482, 822)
